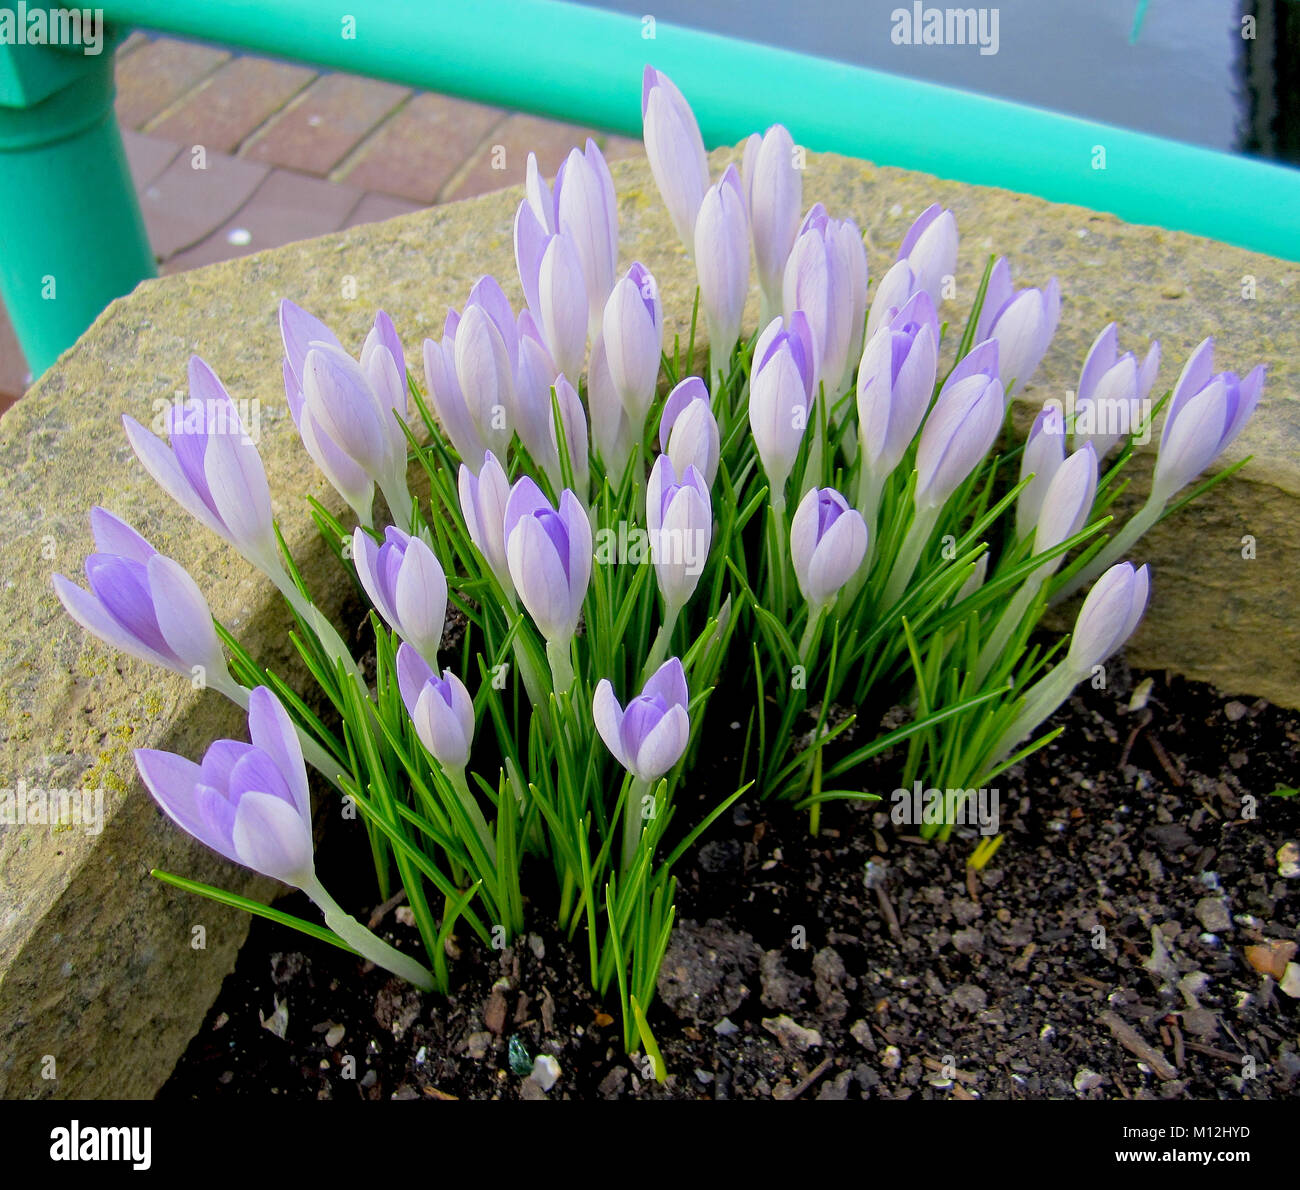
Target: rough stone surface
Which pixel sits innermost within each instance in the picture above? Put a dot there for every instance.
(96, 964)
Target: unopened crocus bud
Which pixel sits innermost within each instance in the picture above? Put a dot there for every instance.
(406, 584)
(1067, 504)
(346, 407)
(573, 420)
(586, 211)
(555, 288)
(483, 505)
(650, 736)
(930, 249)
(961, 428)
(676, 151)
(535, 372)
(212, 468)
(688, 431)
(1207, 412)
(633, 335)
(549, 554)
(780, 396)
(896, 288)
(774, 195)
(722, 261)
(142, 602)
(1043, 455)
(485, 373)
(1022, 323)
(611, 428)
(679, 516)
(445, 395)
(895, 383)
(1108, 616)
(384, 362)
(441, 709)
(828, 541)
(1112, 392)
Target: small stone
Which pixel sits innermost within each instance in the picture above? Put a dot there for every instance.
(546, 1071)
(1213, 914)
(531, 1089)
(278, 1021)
(860, 1031)
(1289, 984)
(405, 915)
(477, 1045)
(1288, 860)
(891, 1059)
(726, 1027)
(1085, 1080)
(494, 1011)
(970, 997)
(1271, 957)
(611, 1086)
(538, 947)
(703, 1077)
(1234, 710)
(792, 1035)
(335, 1035)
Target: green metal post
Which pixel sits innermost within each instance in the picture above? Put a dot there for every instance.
(71, 235)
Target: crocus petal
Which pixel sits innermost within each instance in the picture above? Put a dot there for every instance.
(83, 607)
(608, 715)
(172, 781)
(271, 837)
(663, 746)
(183, 615)
(272, 732)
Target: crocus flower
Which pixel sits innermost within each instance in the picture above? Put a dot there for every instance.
(1206, 413)
(550, 271)
(688, 431)
(961, 428)
(895, 289)
(1067, 504)
(649, 737)
(722, 262)
(828, 541)
(1108, 616)
(826, 278)
(142, 602)
(1043, 455)
(780, 396)
(586, 211)
(486, 355)
(680, 519)
(633, 341)
(676, 151)
(895, 383)
(535, 371)
(930, 249)
(1023, 323)
(441, 709)
(406, 584)
(774, 195)
(549, 555)
(212, 468)
(483, 505)
(573, 420)
(1112, 390)
(611, 428)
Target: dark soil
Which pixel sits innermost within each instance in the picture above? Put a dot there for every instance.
(1113, 948)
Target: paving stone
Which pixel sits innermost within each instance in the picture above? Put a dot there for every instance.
(319, 127)
(418, 150)
(287, 206)
(231, 103)
(156, 75)
(132, 42)
(183, 205)
(502, 157)
(374, 208)
(147, 156)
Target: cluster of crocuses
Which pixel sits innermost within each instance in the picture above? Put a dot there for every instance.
(913, 568)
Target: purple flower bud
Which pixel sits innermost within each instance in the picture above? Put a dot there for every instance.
(530, 412)
(679, 516)
(896, 288)
(1023, 323)
(1108, 616)
(141, 602)
(1112, 390)
(447, 399)
(780, 396)
(485, 374)
(483, 505)
(549, 554)
(722, 261)
(650, 736)
(441, 709)
(1067, 504)
(1043, 455)
(895, 383)
(676, 151)
(586, 211)
(930, 249)
(828, 541)
(406, 584)
(344, 406)
(611, 428)
(633, 338)
(212, 468)
(961, 428)
(555, 289)
(1206, 413)
(688, 431)
(573, 419)
(384, 362)
(248, 802)
(774, 195)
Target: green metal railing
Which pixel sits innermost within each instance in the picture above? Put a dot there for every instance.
(67, 210)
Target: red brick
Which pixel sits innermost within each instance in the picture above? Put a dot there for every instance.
(156, 75)
(325, 123)
(418, 151)
(183, 205)
(374, 208)
(503, 155)
(147, 156)
(231, 103)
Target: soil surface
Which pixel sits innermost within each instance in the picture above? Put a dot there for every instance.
(1130, 939)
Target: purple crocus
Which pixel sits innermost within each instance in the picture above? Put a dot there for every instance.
(1022, 323)
(649, 737)
(688, 431)
(895, 289)
(1067, 504)
(573, 421)
(586, 211)
(406, 584)
(1042, 457)
(780, 396)
(611, 428)
(1108, 617)
(828, 541)
(1207, 412)
(774, 195)
(555, 287)
(930, 250)
(483, 505)
(633, 335)
(676, 151)
(212, 468)
(549, 555)
(142, 602)
(441, 709)
(1113, 389)
(722, 262)
(680, 519)
(961, 428)
(535, 372)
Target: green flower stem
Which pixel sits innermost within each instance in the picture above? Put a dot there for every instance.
(557, 653)
(1007, 623)
(1040, 701)
(1115, 549)
(663, 638)
(632, 821)
(909, 554)
(810, 632)
(329, 638)
(398, 498)
(364, 942)
(472, 808)
(779, 563)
